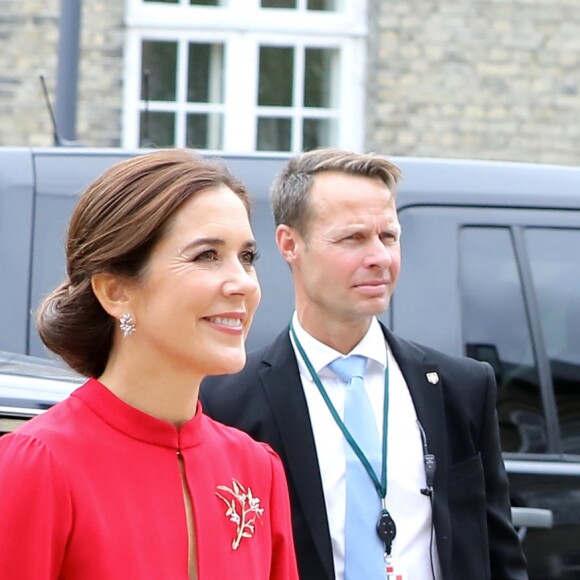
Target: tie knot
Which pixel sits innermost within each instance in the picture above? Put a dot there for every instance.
(348, 367)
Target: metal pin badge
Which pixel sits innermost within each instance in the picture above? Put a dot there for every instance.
(433, 378)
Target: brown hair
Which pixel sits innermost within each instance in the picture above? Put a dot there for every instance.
(290, 191)
(116, 223)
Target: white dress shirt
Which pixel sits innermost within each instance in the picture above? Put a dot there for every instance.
(410, 510)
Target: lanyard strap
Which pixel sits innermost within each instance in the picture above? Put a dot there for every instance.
(381, 486)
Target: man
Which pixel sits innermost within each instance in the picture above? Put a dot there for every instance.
(432, 469)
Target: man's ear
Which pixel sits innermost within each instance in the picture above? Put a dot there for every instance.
(111, 292)
(288, 240)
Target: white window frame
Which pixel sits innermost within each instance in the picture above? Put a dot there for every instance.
(242, 26)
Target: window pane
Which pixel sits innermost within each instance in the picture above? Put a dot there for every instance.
(554, 263)
(204, 2)
(163, 1)
(204, 131)
(274, 134)
(278, 4)
(158, 71)
(321, 5)
(276, 76)
(205, 80)
(317, 133)
(496, 330)
(157, 129)
(318, 77)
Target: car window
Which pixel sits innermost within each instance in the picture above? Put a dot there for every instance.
(554, 256)
(496, 330)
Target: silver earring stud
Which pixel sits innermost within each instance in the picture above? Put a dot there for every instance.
(127, 324)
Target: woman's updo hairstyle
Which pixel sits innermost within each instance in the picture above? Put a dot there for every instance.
(116, 223)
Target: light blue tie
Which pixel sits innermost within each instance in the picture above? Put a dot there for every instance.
(363, 549)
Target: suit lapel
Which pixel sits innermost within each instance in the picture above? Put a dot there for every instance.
(281, 380)
(426, 387)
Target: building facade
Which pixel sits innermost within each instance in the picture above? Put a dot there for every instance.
(490, 79)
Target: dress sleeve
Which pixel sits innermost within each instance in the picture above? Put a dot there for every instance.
(284, 566)
(35, 510)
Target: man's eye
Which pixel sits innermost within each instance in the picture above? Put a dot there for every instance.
(389, 237)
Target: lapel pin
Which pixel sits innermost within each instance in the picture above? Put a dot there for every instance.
(433, 378)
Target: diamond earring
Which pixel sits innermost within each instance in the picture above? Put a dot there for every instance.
(127, 324)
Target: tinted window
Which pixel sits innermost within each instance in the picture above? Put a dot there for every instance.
(496, 330)
(554, 256)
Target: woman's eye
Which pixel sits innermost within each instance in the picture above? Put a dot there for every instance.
(249, 258)
(206, 256)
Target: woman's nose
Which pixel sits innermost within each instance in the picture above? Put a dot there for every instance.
(242, 281)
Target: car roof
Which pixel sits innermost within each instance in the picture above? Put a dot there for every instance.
(425, 181)
(432, 181)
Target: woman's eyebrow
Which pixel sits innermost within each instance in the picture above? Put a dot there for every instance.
(248, 244)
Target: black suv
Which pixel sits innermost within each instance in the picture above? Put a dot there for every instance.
(491, 270)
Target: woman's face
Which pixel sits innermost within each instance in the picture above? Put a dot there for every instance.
(194, 304)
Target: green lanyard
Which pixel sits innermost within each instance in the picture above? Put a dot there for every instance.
(381, 486)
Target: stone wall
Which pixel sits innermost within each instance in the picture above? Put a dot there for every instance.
(493, 79)
(29, 32)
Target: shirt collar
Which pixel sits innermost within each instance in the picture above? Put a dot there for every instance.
(373, 346)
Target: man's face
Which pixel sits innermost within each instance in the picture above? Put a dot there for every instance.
(347, 265)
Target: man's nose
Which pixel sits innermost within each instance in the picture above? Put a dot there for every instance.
(379, 254)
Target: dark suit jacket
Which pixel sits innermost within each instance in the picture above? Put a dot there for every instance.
(475, 536)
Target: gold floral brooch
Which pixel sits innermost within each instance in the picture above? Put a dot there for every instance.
(243, 510)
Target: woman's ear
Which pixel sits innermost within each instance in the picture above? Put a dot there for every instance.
(111, 292)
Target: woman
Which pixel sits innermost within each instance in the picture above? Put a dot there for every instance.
(127, 479)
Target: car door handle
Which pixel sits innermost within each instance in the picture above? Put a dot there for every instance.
(532, 517)
(524, 518)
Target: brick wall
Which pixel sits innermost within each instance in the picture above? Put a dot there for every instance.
(494, 79)
(28, 39)
(29, 32)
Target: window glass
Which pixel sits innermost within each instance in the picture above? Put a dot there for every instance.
(321, 5)
(496, 330)
(157, 129)
(276, 76)
(274, 134)
(554, 261)
(318, 77)
(158, 70)
(278, 4)
(205, 76)
(204, 131)
(328, 5)
(317, 133)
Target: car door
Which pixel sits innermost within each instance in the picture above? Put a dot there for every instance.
(509, 281)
